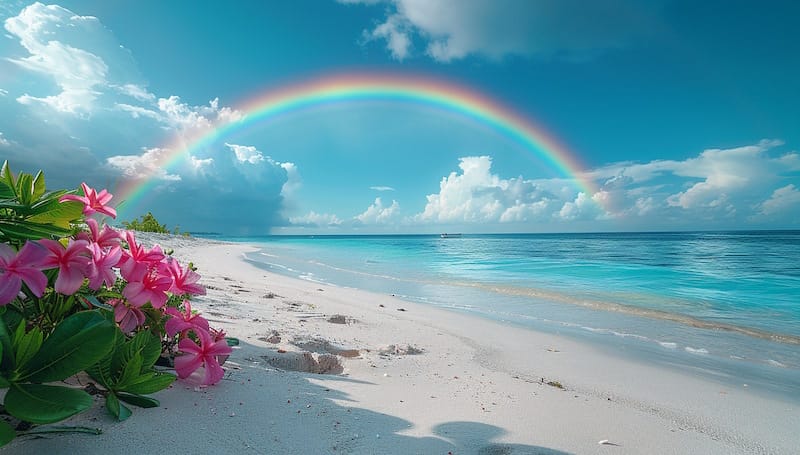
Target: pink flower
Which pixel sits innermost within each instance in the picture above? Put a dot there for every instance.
(184, 280)
(205, 354)
(92, 201)
(106, 238)
(100, 268)
(128, 317)
(151, 286)
(137, 259)
(16, 267)
(73, 263)
(183, 322)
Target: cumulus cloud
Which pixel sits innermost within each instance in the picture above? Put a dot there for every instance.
(453, 29)
(70, 51)
(782, 200)
(144, 166)
(477, 196)
(87, 106)
(377, 213)
(246, 153)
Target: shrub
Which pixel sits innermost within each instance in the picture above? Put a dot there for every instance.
(77, 295)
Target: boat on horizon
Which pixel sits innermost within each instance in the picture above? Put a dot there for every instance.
(445, 235)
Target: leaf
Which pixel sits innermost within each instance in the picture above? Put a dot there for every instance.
(5, 191)
(138, 400)
(37, 403)
(131, 371)
(77, 343)
(55, 213)
(6, 433)
(117, 409)
(101, 371)
(8, 176)
(140, 345)
(7, 361)
(150, 383)
(25, 188)
(232, 341)
(28, 344)
(26, 230)
(38, 186)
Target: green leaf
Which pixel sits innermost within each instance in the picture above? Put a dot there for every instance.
(101, 371)
(77, 343)
(131, 371)
(232, 341)
(26, 230)
(25, 188)
(8, 176)
(37, 403)
(38, 185)
(138, 400)
(28, 344)
(59, 214)
(150, 383)
(117, 409)
(5, 191)
(6, 433)
(7, 361)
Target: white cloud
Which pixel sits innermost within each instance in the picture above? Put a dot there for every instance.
(454, 29)
(3, 141)
(202, 166)
(3, 92)
(378, 214)
(783, 199)
(476, 195)
(382, 188)
(144, 166)
(724, 172)
(246, 153)
(314, 219)
(80, 73)
(293, 180)
(138, 111)
(136, 91)
(397, 33)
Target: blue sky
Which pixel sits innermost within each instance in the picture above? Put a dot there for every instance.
(685, 114)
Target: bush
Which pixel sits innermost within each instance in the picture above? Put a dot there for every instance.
(148, 223)
(78, 296)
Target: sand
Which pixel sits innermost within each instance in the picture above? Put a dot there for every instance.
(324, 370)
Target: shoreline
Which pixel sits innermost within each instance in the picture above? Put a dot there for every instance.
(401, 377)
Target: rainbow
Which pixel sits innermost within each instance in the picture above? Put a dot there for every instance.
(337, 89)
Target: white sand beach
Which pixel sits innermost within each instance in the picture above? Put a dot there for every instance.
(325, 370)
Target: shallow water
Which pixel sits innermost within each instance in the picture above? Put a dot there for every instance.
(721, 304)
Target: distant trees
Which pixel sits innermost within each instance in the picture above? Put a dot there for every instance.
(149, 223)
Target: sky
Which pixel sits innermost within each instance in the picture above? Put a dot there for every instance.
(645, 115)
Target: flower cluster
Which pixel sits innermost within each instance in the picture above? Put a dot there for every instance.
(153, 284)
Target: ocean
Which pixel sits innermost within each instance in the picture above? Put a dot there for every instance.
(725, 305)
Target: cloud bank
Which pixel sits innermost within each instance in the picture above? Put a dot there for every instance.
(448, 30)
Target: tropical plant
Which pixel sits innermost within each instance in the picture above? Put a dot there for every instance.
(78, 296)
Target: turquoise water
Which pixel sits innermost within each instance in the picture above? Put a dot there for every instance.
(721, 304)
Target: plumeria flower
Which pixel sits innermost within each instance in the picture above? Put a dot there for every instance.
(106, 238)
(73, 263)
(16, 267)
(128, 317)
(100, 268)
(183, 280)
(183, 322)
(152, 286)
(92, 201)
(202, 355)
(137, 259)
